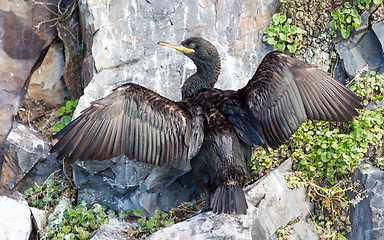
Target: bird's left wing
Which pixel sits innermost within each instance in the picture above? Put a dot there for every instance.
(284, 92)
(136, 122)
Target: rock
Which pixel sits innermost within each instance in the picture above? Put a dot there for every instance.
(24, 149)
(364, 48)
(373, 106)
(21, 52)
(124, 49)
(15, 219)
(121, 183)
(378, 28)
(364, 25)
(40, 217)
(303, 231)
(69, 32)
(271, 205)
(359, 50)
(45, 83)
(115, 230)
(278, 205)
(367, 216)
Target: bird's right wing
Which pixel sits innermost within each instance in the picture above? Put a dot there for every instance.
(136, 122)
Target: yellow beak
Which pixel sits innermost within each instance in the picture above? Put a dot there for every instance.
(177, 47)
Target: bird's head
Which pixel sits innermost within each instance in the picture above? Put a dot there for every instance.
(199, 50)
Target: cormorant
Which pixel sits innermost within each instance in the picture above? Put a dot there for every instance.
(213, 130)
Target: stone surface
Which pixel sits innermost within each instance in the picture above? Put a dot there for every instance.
(124, 49)
(24, 148)
(15, 219)
(45, 83)
(40, 217)
(271, 206)
(121, 183)
(367, 216)
(363, 49)
(20, 47)
(278, 205)
(303, 231)
(359, 50)
(115, 230)
(378, 28)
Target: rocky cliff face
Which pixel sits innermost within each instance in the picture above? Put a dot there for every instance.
(21, 44)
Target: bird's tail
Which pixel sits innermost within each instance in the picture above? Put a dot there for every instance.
(229, 198)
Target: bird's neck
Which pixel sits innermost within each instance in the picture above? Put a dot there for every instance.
(204, 78)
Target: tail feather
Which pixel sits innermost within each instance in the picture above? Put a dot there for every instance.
(230, 199)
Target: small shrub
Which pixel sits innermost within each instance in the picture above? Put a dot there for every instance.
(370, 87)
(282, 35)
(155, 223)
(76, 223)
(345, 20)
(48, 194)
(66, 113)
(364, 4)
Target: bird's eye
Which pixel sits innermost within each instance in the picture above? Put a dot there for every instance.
(192, 45)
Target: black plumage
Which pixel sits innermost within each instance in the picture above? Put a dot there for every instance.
(212, 130)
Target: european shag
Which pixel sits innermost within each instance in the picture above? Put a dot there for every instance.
(213, 130)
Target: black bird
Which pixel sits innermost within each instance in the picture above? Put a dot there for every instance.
(213, 130)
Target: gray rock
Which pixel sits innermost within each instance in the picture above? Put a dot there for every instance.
(21, 44)
(271, 206)
(364, 25)
(359, 50)
(114, 229)
(367, 216)
(303, 231)
(124, 49)
(279, 204)
(40, 217)
(378, 28)
(46, 83)
(15, 219)
(24, 149)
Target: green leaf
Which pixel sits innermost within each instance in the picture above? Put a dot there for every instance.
(66, 229)
(377, 2)
(291, 48)
(349, 19)
(280, 46)
(137, 213)
(332, 25)
(271, 41)
(357, 20)
(345, 33)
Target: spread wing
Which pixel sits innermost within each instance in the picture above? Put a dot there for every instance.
(285, 92)
(136, 122)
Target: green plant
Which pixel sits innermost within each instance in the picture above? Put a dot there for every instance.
(379, 162)
(263, 160)
(155, 223)
(345, 20)
(75, 223)
(370, 87)
(282, 35)
(48, 194)
(364, 4)
(68, 109)
(326, 228)
(66, 113)
(284, 233)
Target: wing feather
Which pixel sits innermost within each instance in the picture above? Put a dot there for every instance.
(285, 92)
(137, 122)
